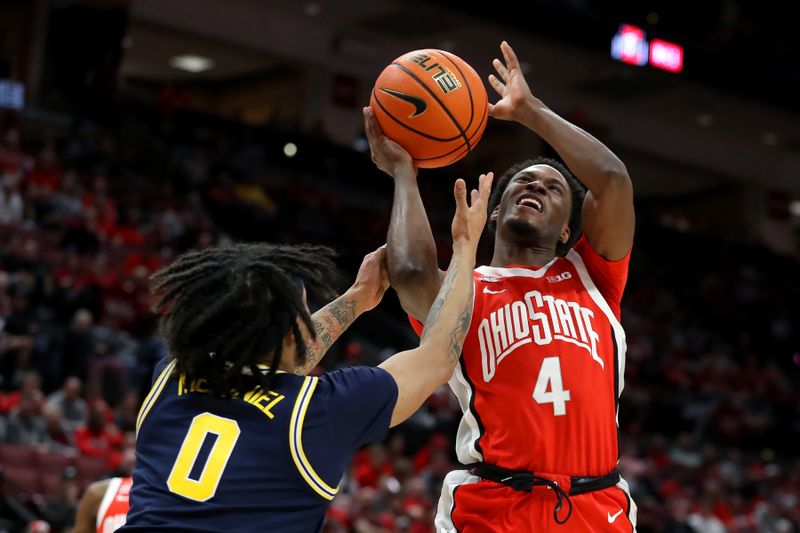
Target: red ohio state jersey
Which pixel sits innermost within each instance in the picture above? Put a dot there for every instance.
(114, 506)
(542, 366)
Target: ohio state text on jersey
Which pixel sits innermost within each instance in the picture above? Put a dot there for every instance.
(114, 506)
(542, 366)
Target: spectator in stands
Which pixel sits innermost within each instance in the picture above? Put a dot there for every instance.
(60, 440)
(68, 402)
(26, 425)
(11, 204)
(99, 439)
(703, 519)
(127, 411)
(78, 343)
(19, 325)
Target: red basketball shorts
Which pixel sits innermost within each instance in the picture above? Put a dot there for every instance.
(472, 505)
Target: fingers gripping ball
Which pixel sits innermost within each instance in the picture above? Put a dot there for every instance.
(433, 104)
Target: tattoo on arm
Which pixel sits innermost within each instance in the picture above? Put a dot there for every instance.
(457, 335)
(329, 323)
(464, 320)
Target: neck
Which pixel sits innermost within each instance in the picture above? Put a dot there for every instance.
(512, 253)
(284, 365)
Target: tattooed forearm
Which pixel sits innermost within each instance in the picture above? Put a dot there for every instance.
(436, 307)
(456, 336)
(329, 323)
(344, 310)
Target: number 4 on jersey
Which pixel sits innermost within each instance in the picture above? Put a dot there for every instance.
(550, 378)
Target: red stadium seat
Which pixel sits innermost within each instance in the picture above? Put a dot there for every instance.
(16, 455)
(19, 481)
(91, 469)
(50, 483)
(53, 462)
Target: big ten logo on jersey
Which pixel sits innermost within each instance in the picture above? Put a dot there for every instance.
(559, 277)
(444, 77)
(539, 318)
(265, 401)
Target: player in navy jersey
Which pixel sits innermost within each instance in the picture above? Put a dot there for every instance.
(234, 436)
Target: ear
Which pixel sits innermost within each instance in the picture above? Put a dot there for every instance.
(493, 216)
(289, 349)
(565, 234)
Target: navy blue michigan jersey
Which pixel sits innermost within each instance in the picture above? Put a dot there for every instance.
(262, 461)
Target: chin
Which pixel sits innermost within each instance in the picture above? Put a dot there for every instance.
(521, 227)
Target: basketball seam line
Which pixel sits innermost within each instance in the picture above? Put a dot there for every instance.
(433, 95)
(472, 137)
(406, 126)
(469, 89)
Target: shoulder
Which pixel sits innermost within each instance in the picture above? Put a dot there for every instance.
(585, 249)
(344, 379)
(95, 492)
(609, 277)
(98, 488)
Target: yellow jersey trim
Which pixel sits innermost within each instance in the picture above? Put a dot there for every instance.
(296, 441)
(152, 396)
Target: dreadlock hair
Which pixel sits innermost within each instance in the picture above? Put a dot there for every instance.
(222, 309)
(576, 188)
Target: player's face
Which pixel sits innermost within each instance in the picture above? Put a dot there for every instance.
(537, 202)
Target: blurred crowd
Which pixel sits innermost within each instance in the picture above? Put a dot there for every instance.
(709, 420)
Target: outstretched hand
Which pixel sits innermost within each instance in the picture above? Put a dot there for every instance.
(469, 220)
(511, 85)
(387, 155)
(372, 279)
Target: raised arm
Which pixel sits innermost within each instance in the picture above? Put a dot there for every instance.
(333, 319)
(419, 372)
(411, 251)
(608, 216)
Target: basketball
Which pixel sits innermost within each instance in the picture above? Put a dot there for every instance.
(433, 104)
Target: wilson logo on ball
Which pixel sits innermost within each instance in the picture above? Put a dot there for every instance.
(419, 104)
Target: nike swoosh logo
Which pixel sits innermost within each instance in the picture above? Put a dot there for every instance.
(420, 106)
(613, 517)
(487, 290)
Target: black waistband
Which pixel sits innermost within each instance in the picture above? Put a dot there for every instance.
(524, 481)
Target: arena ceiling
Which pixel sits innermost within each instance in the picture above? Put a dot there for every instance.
(673, 117)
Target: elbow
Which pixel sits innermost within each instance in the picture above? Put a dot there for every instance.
(407, 273)
(441, 375)
(617, 182)
(616, 175)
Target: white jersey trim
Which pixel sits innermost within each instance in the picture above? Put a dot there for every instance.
(468, 429)
(503, 272)
(634, 510)
(108, 497)
(619, 333)
(444, 512)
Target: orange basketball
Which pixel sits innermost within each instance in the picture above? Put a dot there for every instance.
(433, 104)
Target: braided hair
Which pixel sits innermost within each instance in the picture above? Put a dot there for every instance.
(577, 190)
(224, 308)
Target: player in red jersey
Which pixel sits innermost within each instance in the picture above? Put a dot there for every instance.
(104, 506)
(542, 365)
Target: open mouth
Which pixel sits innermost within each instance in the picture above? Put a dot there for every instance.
(531, 202)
